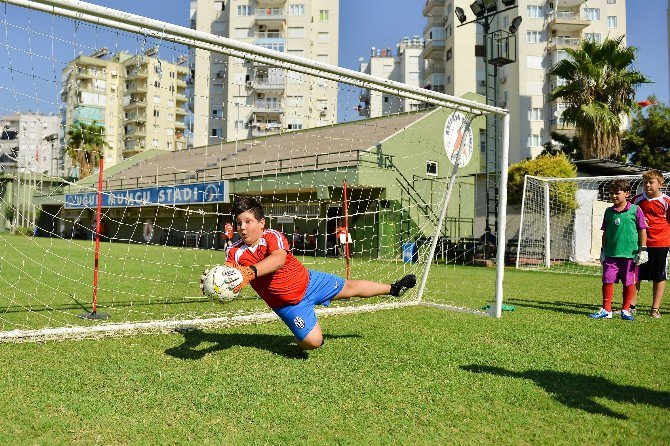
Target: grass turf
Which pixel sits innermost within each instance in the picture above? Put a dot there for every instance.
(544, 374)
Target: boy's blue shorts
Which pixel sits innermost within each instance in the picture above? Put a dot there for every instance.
(321, 289)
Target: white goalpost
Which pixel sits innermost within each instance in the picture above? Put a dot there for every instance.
(561, 220)
(87, 86)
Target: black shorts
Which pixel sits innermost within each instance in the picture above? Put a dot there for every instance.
(657, 266)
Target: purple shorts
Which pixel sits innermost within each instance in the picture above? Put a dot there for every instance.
(619, 269)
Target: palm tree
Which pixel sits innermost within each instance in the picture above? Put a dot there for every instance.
(599, 91)
(85, 146)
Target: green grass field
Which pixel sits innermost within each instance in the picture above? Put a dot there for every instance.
(543, 374)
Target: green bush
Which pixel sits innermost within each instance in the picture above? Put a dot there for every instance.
(554, 166)
(24, 230)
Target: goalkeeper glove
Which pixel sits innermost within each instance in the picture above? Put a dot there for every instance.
(249, 273)
(642, 256)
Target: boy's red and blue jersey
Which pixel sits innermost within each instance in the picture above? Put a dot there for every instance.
(657, 214)
(288, 284)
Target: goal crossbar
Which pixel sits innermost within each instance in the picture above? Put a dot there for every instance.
(113, 18)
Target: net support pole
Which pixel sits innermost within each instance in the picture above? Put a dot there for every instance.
(502, 216)
(547, 227)
(345, 206)
(98, 215)
(523, 209)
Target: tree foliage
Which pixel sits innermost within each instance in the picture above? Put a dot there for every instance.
(85, 146)
(599, 90)
(553, 166)
(647, 141)
(569, 145)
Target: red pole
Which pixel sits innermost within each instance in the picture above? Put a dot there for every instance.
(346, 229)
(97, 239)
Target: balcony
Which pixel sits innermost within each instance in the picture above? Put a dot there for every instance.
(434, 66)
(269, 85)
(267, 107)
(559, 43)
(179, 125)
(136, 88)
(269, 35)
(180, 98)
(181, 83)
(569, 3)
(180, 111)
(270, 3)
(136, 133)
(556, 82)
(139, 103)
(433, 8)
(567, 21)
(134, 117)
(266, 129)
(266, 15)
(434, 49)
(138, 73)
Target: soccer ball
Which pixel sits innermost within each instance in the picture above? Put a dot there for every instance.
(220, 281)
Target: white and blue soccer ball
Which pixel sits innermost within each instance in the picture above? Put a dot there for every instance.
(219, 282)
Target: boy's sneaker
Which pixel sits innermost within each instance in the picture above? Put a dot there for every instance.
(601, 314)
(626, 315)
(655, 314)
(401, 286)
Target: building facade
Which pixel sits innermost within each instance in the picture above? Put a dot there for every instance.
(235, 99)
(455, 62)
(29, 143)
(406, 66)
(140, 100)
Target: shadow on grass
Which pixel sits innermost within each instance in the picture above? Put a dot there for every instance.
(198, 343)
(578, 391)
(556, 305)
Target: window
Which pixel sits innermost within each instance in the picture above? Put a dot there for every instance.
(431, 168)
(533, 36)
(449, 31)
(322, 58)
(447, 79)
(296, 9)
(534, 11)
(295, 125)
(322, 104)
(296, 32)
(157, 113)
(241, 33)
(243, 10)
(534, 62)
(505, 21)
(294, 101)
(450, 54)
(154, 142)
(294, 78)
(296, 52)
(170, 116)
(157, 84)
(611, 2)
(157, 99)
(535, 114)
(534, 140)
(324, 37)
(386, 98)
(240, 125)
(277, 46)
(323, 15)
(169, 132)
(592, 37)
(611, 21)
(218, 27)
(216, 131)
(219, 6)
(592, 14)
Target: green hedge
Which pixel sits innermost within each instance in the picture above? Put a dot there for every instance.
(555, 166)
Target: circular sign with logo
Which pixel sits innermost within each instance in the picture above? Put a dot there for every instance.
(458, 139)
(148, 231)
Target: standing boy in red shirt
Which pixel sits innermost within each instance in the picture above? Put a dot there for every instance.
(264, 258)
(656, 207)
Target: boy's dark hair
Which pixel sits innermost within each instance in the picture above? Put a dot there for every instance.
(620, 185)
(245, 204)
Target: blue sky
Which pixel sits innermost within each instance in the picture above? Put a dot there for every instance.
(363, 24)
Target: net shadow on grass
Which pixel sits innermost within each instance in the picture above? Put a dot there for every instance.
(555, 305)
(197, 344)
(578, 391)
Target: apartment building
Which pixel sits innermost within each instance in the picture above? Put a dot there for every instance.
(28, 143)
(139, 99)
(405, 66)
(455, 62)
(235, 99)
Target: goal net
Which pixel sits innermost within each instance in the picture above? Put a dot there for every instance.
(183, 122)
(561, 222)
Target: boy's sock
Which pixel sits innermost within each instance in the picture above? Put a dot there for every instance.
(608, 293)
(628, 292)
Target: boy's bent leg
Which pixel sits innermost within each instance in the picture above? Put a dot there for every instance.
(313, 340)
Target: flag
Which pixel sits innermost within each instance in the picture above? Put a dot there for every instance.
(646, 103)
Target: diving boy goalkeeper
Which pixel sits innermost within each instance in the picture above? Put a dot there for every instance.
(264, 258)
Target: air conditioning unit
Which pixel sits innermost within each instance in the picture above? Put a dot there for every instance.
(503, 79)
(248, 84)
(219, 74)
(482, 83)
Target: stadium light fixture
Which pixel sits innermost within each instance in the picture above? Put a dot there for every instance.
(478, 8)
(490, 5)
(515, 24)
(460, 14)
